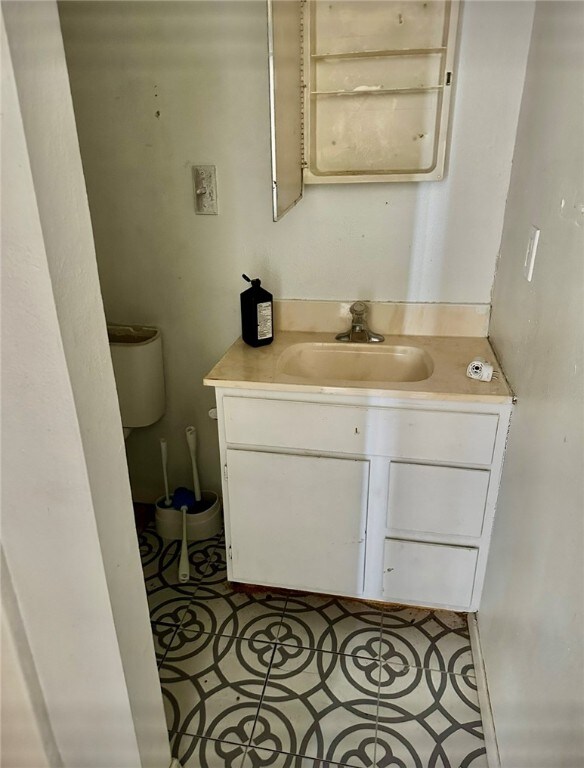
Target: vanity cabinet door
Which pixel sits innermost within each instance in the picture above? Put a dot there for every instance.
(297, 521)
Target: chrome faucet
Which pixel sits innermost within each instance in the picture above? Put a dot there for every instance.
(359, 330)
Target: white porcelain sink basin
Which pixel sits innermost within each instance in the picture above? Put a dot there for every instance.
(359, 363)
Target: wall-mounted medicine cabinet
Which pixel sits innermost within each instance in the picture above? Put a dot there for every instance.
(359, 91)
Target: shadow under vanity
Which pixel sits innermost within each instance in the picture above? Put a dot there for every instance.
(339, 481)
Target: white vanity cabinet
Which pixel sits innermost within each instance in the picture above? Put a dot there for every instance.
(373, 497)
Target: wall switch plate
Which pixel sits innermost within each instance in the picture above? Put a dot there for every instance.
(572, 209)
(530, 254)
(205, 189)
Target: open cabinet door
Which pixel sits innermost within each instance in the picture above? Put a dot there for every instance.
(285, 60)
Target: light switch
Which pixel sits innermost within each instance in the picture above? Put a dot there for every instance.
(205, 189)
(572, 208)
(530, 254)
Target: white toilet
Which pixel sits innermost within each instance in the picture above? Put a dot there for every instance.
(136, 352)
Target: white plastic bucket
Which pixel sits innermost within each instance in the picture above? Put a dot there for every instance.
(200, 525)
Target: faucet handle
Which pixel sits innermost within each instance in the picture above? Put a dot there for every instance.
(358, 308)
(359, 330)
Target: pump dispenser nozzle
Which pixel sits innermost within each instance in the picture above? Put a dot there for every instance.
(256, 282)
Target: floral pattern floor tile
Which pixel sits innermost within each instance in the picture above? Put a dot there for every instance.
(270, 680)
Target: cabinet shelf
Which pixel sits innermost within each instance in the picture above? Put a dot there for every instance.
(376, 54)
(379, 91)
(331, 53)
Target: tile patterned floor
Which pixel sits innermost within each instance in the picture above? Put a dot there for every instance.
(269, 681)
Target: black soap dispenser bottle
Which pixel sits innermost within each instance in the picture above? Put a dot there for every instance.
(257, 314)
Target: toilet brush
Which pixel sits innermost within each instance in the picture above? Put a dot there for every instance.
(182, 499)
(163, 451)
(191, 434)
(184, 570)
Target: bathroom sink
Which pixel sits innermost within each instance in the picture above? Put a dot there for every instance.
(359, 363)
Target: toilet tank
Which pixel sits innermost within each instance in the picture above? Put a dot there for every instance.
(136, 352)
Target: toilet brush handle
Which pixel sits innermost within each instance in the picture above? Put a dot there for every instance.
(183, 564)
(191, 434)
(164, 452)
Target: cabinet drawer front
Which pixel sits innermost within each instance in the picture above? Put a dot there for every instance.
(428, 574)
(457, 438)
(444, 500)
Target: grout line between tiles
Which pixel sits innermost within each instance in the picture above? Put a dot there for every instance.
(227, 635)
(378, 697)
(227, 741)
(168, 647)
(174, 624)
(317, 761)
(200, 632)
(312, 758)
(293, 754)
(261, 701)
(198, 738)
(324, 650)
(247, 640)
(201, 738)
(432, 669)
(433, 641)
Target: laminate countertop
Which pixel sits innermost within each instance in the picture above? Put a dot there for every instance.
(266, 368)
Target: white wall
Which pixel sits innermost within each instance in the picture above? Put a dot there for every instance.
(48, 529)
(203, 67)
(531, 619)
(67, 520)
(26, 737)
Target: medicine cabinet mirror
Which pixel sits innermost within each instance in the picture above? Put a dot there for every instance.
(359, 91)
